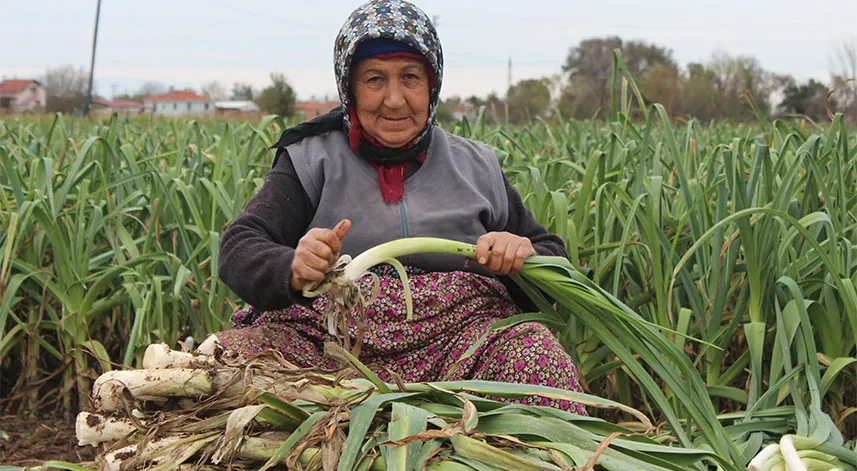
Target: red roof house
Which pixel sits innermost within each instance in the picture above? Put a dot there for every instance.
(21, 95)
(314, 108)
(179, 103)
(178, 95)
(118, 106)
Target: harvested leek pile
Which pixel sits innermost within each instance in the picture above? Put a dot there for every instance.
(208, 409)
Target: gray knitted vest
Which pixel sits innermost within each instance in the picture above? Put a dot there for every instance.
(457, 193)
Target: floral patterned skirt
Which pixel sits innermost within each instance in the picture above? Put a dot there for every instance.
(452, 310)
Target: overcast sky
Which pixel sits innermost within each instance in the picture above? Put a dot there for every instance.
(189, 42)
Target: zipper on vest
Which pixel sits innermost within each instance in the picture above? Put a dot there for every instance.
(404, 219)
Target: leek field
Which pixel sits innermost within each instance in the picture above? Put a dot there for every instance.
(731, 246)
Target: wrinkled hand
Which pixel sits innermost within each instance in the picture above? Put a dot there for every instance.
(507, 252)
(317, 251)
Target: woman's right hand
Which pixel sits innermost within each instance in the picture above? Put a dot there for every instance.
(317, 251)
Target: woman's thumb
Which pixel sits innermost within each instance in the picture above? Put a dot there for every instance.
(341, 229)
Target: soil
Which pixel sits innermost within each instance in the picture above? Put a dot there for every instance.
(30, 442)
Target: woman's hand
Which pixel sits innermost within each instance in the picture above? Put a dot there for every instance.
(507, 252)
(317, 251)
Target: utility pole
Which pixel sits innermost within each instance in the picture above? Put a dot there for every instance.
(509, 77)
(88, 103)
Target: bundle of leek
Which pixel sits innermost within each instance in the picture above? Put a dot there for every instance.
(260, 412)
(215, 410)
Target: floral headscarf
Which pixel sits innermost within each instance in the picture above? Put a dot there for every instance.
(392, 19)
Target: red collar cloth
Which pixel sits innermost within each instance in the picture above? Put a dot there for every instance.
(391, 176)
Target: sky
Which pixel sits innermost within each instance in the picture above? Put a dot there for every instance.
(186, 43)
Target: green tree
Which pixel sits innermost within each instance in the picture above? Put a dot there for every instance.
(528, 99)
(495, 109)
(65, 89)
(278, 98)
(475, 102)
(808, 99)
(702, 97)
(242, 91)
(661, 83)
(445, 109)
(743, 82)
(590, 69)
(576, 99)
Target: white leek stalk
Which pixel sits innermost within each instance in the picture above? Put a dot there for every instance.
(94, 429)
(794, 453)
(399, 248)
(208, 346)
(149, 385)
(113, 460)
(790, 456)
(160, 355)
(759, 461)
(342, 279)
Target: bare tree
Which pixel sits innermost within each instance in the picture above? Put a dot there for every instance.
(151, 88)
(843, 73)
(65, 88)
(214, 90)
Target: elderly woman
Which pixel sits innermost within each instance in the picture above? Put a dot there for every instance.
(379, 169)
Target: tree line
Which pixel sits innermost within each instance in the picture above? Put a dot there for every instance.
(725, 87)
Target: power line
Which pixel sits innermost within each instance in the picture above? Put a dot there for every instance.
(499, 61)
(267, 16)
(506, 22)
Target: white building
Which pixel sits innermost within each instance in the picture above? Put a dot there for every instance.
(104, 107)
(179, 103)
(236, 107)
(21, 96)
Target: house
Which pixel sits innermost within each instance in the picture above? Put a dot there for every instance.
(179, 103)
(313, 108)
(21, 96)
(123, 107)
(236, 107)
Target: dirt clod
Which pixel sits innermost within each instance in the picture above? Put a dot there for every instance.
(93, 420)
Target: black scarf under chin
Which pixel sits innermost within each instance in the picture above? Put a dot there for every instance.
(332, 121)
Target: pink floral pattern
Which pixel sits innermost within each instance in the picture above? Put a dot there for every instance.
(451, 312)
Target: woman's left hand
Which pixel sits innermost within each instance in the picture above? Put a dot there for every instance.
(507, 252)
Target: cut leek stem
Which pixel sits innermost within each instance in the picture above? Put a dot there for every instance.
(208, 346)
(160, 355)
(94, 429)
(342, 280)
(790, 456)
(402, 247)
(107, 392)
(759, 461)
(350, 270)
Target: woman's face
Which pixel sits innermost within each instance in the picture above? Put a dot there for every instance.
(392, 99)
